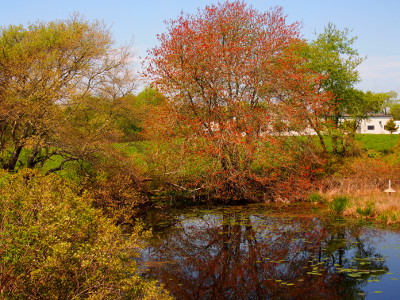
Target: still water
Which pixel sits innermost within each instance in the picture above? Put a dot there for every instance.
(271, 252)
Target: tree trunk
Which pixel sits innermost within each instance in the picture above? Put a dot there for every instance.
(31, 163)
(12, 161)
(321, 141)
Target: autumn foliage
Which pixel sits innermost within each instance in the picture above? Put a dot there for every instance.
(239, 90)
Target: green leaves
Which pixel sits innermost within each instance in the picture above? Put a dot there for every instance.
(391, 126)
(46, 71)
(339, 204)
(332, 56)
(55, 245)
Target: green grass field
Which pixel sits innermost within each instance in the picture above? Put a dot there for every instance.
(378, 142)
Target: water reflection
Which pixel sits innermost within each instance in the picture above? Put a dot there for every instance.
(242, 253)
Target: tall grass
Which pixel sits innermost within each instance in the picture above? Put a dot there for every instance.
(364, 180)
(339, 204)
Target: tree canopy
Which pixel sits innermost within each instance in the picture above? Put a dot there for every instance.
(391, 126)
(46, 71)
(332, 55)
(254, 87)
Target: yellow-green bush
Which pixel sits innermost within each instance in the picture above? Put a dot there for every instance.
(54, 245)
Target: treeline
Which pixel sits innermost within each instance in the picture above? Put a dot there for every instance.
(232, 95)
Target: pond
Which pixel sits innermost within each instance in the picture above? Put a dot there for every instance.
(271, 252)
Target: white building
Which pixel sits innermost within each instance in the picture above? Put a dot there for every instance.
(375, 124)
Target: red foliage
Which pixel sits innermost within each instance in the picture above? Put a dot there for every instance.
(235, 77)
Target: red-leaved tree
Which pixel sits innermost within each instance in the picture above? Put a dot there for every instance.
(239, 87)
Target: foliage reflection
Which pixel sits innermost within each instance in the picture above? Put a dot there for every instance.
(234, 253)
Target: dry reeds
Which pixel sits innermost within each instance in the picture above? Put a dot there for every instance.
(363, 181)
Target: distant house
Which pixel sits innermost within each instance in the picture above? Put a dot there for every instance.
(375, 124)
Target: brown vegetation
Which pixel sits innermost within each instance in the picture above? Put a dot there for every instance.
(363, 181)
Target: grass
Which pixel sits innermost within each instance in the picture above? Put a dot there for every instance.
(339, 204)
(69, 170)
(130, 148)
(378, 142)
(357, 191)
(373, 204)
(316, 198)
(377, 206)
(140, 149)
(361, 179)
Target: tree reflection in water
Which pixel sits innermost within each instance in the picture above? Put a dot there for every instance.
(235, 253)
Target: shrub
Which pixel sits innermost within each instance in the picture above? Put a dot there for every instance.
(316, 198)
(339, 204)
(367, 211)
(54, 245)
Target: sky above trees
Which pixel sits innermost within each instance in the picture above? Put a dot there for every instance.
(375, 23)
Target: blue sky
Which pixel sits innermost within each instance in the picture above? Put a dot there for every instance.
(376, 23)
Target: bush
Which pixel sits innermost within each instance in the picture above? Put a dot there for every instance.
(54, 245)
(339, 204)
(316, 198)
(367, 211)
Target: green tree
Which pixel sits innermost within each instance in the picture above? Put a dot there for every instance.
(391, 126)
(361, 105)
(149, 96)
(333, 56)
(395, 111)
(394, 107)
(47, 71)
